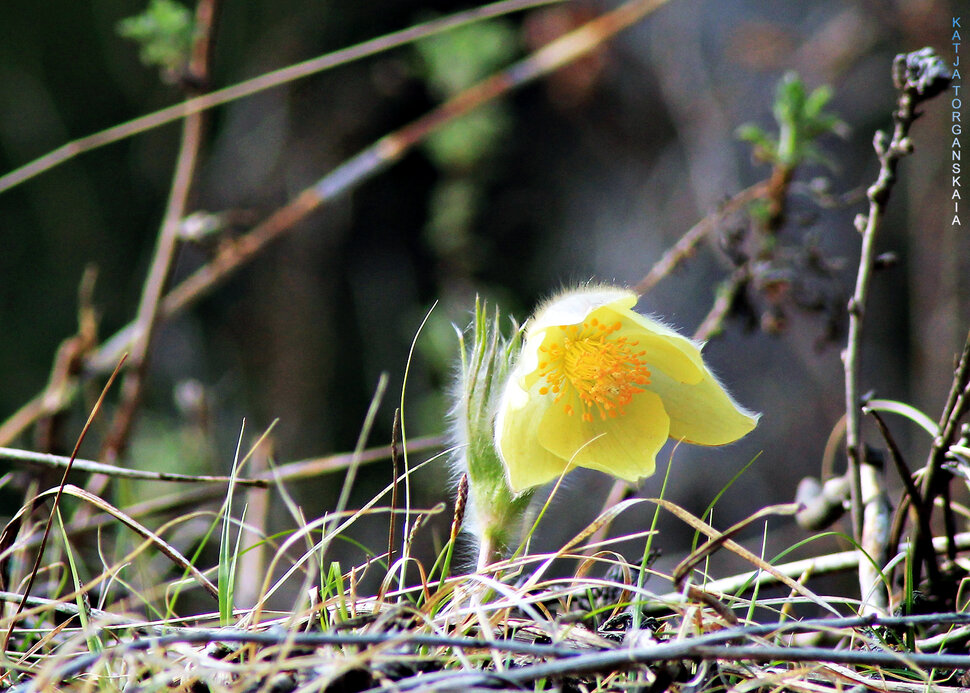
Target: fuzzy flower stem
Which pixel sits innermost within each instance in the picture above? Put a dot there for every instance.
(494, 513)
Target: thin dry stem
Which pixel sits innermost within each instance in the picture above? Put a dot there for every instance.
(687, 245)
(37, 459)
(55, 505)
(258, 84)
(870, 522)
(713, 322)
(147, 319)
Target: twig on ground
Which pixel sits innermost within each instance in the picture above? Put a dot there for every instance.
(565, 659)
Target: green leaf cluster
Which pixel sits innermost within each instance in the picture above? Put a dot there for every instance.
(164, 32)
(801, 118)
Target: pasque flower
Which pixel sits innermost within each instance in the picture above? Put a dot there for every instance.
(598, 385)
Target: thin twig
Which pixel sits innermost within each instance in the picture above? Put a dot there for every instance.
(713, 322)
(147, 319)
(255, 85)
(232, 256)
(292, 471)
(392, 147)
(612, 661)
(917, 76)
(686, 246)
(39, 459)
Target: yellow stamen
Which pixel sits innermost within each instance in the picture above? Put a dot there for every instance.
(604, 371)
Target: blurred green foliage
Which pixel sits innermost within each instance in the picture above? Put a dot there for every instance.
(164, 31)
(454, 61)
(463, 149)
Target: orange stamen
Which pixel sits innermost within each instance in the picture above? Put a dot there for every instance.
(604, 371)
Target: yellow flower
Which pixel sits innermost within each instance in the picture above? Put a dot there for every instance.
(600, 386)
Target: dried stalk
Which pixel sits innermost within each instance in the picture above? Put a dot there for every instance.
(917, 76)
(44, 460)
(147, 319)
(249, 87)
(687, 245)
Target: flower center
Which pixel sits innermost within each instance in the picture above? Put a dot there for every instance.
(604, 371)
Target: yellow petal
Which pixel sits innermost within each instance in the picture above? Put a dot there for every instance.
(551, 417)
(527, 462)
(703, 414)
(677, 356)
(574, 307)
(625, 446)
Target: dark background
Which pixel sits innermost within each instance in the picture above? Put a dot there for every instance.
(595, 173)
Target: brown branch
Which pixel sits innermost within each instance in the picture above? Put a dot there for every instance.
(147, 319)
(917, 77)
(48, 461)
(687, 245)
(355, 171)
(255, 85)
(713, 322)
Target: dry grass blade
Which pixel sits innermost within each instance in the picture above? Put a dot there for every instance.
(57, 497)
(304, 469)
(604, 519)
(716, 542)
(40, 459)
(395, 470)
(736, 548)
(163, 546)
